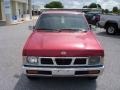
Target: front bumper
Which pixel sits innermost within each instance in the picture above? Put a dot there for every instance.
(63, 72)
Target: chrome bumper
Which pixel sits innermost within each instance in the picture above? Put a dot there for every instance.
(59, 72)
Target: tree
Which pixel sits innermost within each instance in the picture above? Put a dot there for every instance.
(54, 4)
(115, 10)
(94, 5)
(99, 6)
(119, 11)
(85, 6)
(106, 11)
(103, 11)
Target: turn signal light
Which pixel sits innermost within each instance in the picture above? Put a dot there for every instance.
(32, 72)
(94, 72)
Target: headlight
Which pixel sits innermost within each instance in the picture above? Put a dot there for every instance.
(94, 60)
(32, 60)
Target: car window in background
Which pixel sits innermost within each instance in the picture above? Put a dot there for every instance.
(61, 21)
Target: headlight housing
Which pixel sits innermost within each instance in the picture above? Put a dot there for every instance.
(95, 60)
(32, 60)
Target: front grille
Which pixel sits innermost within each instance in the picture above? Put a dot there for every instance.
(80, 61)
(46, 61)
(63, 61)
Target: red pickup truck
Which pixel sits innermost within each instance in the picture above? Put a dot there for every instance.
(62, 45)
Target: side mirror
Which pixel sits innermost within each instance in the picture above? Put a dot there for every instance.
(90, 26)
(31, 27)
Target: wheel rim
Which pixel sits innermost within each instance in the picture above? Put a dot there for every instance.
(111, 30)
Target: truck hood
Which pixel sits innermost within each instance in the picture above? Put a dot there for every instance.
(54, 43)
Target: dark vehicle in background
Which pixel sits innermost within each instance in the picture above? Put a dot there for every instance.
(92, 17)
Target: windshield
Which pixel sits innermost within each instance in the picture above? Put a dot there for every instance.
(61, 21)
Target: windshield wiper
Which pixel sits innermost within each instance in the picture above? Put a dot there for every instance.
(74, 29)
(45, 29)
(63, 29)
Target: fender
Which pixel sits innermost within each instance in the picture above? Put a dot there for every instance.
(111, 22)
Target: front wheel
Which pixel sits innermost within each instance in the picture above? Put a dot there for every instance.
(111, 29)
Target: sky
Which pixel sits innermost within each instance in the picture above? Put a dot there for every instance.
(106, 4)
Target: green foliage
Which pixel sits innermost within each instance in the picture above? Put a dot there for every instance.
(94, 5)
(106, 11)
(119, 11)
(99, 6)
(54, 4)
(115, 10)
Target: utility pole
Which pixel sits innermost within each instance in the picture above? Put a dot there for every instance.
(30, 8)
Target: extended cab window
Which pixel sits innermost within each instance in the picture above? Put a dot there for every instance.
(62, 21)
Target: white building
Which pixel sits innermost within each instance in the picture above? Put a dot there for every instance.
(13, 11)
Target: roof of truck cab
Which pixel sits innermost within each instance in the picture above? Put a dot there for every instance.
(61, 12)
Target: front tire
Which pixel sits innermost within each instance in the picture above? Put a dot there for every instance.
(111, 29)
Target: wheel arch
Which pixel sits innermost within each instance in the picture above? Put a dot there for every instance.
(110, 22)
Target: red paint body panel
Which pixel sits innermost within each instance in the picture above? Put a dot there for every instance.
(51, 44)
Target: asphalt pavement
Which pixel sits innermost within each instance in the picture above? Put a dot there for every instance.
(12, 40)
